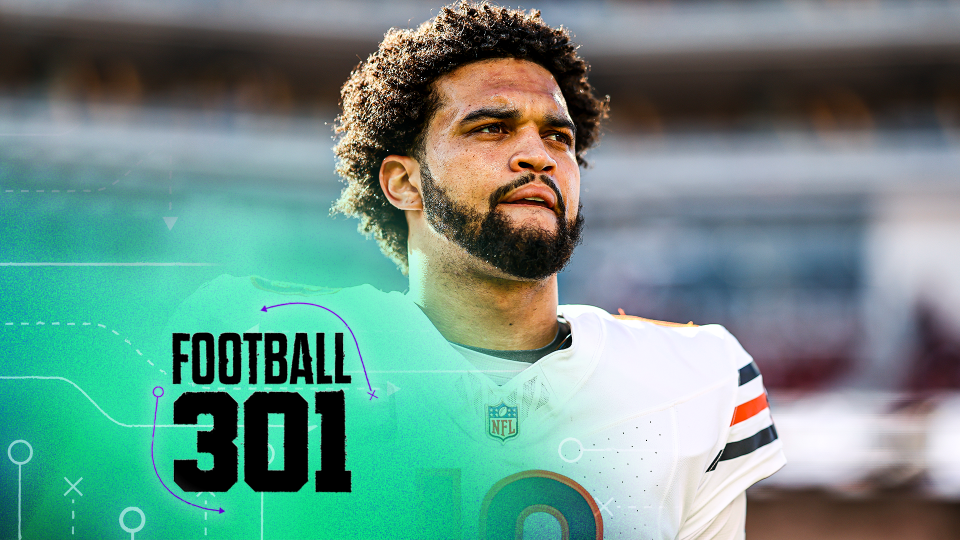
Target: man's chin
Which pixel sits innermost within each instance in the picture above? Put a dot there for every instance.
(526, 217)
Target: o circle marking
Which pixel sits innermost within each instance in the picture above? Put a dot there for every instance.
(579, 445)
(143, 519)
(10, 452)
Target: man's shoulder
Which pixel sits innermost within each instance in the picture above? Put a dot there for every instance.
(660, 350)
(643, 332)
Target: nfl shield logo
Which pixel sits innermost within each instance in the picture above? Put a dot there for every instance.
(502, 422)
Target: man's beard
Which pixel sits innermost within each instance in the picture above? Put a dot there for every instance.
(528, 253)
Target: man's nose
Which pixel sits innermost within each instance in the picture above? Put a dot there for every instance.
(531, 154)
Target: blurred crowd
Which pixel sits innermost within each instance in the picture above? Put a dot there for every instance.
(234, 83)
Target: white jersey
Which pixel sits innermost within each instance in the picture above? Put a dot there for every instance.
(636, 430)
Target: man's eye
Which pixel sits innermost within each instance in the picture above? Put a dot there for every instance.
(490, 128)
(560, 137)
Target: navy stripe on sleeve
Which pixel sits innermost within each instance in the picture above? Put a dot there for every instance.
(741, 448)
(748, 373)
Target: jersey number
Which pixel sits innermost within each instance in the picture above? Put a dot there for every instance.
(508, 504)
(511, 500)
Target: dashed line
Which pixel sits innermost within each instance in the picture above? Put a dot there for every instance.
(115, 182)
(126, 340)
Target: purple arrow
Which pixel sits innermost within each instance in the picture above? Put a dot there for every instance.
(152, 438)
(372, 392)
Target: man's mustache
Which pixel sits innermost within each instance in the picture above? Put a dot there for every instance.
(528, 178)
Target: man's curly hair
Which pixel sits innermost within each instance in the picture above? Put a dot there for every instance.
(390, 98)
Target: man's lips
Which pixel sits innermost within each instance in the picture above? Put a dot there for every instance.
(532, 194)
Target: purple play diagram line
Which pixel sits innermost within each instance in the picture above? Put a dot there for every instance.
(372, 392)
(152, 438)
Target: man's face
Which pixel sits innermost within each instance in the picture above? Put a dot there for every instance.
(499, 176)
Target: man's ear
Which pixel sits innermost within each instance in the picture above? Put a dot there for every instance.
(400, 182)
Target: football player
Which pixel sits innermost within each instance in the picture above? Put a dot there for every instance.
(460, 142)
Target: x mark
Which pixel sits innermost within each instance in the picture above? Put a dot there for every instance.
(603, 506)
(73, 486)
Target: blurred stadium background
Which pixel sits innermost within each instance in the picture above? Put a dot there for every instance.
(787, 168)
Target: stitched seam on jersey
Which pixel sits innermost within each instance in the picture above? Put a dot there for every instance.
(673, 466)
(594, 361)
(665, 406)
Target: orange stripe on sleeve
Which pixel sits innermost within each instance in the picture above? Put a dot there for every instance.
(749, 409)
(624, 317)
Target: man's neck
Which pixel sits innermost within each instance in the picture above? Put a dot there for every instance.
(479, 310)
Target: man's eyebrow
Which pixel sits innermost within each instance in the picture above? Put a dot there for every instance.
(557, 121)
(496, 113)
